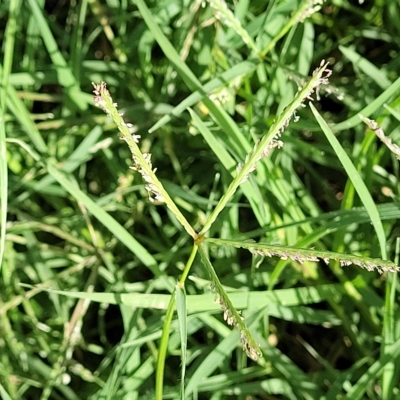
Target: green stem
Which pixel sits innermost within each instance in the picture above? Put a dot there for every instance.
(162, 353)
(388, 378)
(163, 348)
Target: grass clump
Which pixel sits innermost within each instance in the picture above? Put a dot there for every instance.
(250, 172)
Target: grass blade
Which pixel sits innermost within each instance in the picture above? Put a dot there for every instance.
(109, 222)
(180, 296)
(357, 181)
(64, 73)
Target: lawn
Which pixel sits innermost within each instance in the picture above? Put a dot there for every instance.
(199, 199)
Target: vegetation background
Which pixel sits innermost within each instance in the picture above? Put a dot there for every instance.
(88, 263)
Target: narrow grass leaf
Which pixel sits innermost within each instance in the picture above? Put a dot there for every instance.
(184, 71)
(303, 315)
(8, 45)
(369, 69)
(306, 48)
(392, 111)
(77, 39)
(22, 115)
(243, 68)
(204, 302)
(3, 185)
(370, 108)
(374, 372)
(357, 181)
(180, 300)
(82, 154)
(275, 387)
(109, 222)
(213, 360)
(4, 394)
(223, 119)
(216, 146)
(389, 378)
(230, 384)
(64, 73)
(9, 50)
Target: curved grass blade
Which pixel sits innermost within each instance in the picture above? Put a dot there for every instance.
(371, 108)
(242, 68)
(109, 222)
(374, 372)
(203, 302)
(356, 179)
(180, 299)
(64, 73)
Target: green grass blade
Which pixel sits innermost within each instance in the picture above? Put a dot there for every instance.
(374, 372)
(204, 302)
(22, 114)
(190, 79)
(3, 186)
(180, 297)
(357, 181)
(162, 350)
(4, 394)
(243, 68)
(10, 33)
(108, 221)
(64, 73)
(213, 361)
(374, 106)
(230, 164)
(378, 76)
(186, 74)
(389, 335)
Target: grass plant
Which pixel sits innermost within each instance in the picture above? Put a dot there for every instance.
(199, 200)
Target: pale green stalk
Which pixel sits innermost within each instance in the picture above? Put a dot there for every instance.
(8, 46)
(162, 353)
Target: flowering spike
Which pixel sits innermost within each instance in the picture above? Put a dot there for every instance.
(141, 162)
